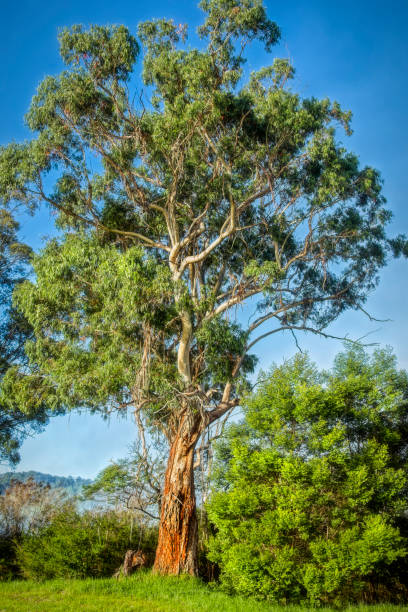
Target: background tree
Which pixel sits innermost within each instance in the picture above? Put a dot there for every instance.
(133, 483)
(312, 484)
(28, 506)
(176, 208)
(15, 423)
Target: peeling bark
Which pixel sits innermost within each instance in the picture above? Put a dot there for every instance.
(178, 531)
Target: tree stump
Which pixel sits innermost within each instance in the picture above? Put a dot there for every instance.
(134, 559)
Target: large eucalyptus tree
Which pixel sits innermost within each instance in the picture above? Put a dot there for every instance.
(180, 199)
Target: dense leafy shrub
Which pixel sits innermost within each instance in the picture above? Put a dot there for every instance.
(76, 545)
(311, 485)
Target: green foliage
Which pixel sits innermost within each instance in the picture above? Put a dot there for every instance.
(222, 343)
(107, 52)
(9, 568)
(312, 482)
(231, 19)
(114, 480)
(15, 423)
(89, 323)
(77, 545)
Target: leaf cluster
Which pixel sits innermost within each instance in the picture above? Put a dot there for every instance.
(15, 423)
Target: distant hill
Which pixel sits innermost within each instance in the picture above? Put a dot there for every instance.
(72, 485)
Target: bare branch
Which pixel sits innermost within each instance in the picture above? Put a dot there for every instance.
(304, 328)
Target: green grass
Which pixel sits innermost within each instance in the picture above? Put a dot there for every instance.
(142, 593)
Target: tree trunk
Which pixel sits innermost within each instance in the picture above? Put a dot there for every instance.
(178, 531)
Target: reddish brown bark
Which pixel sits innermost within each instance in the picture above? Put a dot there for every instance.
(178, 531)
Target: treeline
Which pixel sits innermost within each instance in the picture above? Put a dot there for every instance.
(73, 486)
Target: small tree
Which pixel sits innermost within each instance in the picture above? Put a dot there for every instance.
(176, 208)
(133, 484)
(312, 483)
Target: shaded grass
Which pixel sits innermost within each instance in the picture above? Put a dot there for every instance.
(143, 592)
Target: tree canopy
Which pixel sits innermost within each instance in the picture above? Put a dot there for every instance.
(179, 198)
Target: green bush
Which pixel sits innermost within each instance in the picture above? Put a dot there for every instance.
(77, 545)
(8, 565)
(311, 485)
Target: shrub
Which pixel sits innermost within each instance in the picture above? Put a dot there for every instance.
(77, 545)
(8, 564)
(311, 485)
(25, 507)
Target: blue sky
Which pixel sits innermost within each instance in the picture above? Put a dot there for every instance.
(355, 52)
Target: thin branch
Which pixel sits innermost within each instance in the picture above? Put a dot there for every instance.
(305, 328)
(225, 405)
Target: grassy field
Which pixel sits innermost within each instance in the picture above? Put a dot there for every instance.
(141, 593)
